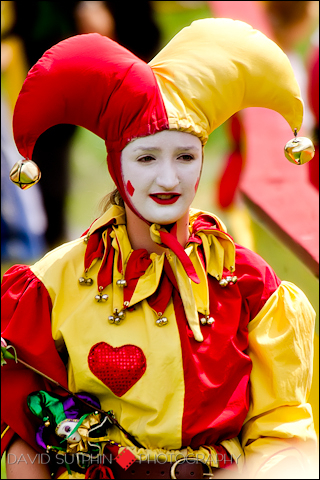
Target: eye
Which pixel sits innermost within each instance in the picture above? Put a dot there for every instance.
(186, 157)
(145, 159)
(67, 429)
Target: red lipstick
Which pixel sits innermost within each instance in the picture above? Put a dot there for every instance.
(165, 198)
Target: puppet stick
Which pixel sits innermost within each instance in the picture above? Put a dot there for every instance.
(11, 356)
(43, 375)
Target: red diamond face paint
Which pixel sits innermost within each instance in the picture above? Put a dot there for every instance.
(130, 188)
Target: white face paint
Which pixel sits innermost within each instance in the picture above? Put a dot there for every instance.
(65, 428)
(161, 173)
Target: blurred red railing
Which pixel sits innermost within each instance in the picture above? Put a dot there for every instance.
(278, 192)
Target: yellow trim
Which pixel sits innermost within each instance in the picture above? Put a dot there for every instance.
(4, 431)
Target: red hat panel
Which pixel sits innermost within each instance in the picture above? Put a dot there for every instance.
(89, 80)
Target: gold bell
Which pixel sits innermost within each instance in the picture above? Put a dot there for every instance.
(101, 298)
(46, 422)
(207, 320)
(25, 173)
(121, 283)
(161, 322)
(87, 282)
(117, 317)
(299, 150)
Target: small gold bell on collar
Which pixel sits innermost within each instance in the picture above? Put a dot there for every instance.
(101, 298)
(87, 282)
(299, 150)
(25, 173)
(161, 322)
(207, 320)
(228, 280)
(117, 317)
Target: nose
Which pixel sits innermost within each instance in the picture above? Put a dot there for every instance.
(167, 177)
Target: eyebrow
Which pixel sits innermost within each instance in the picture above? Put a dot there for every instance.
(145, 149)
(157, 149)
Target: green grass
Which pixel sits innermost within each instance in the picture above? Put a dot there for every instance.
(90, 181)
(3, 467)
(171, 17)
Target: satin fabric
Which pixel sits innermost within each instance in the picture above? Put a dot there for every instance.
(262, 330)
(206, 73)
(218, 66)
(209, 71)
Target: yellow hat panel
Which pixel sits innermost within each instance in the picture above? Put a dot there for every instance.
(216, 67)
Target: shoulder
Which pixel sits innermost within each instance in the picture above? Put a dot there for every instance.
(22, 279)
(256, 278)
(61, 259)
(251, 261)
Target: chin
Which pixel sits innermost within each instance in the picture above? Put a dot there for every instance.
(165, 219)
(161, 221)
(163, 216)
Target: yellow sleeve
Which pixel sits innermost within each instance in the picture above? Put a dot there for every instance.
(278, 436)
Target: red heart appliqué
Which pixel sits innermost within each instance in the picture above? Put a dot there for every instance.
(117, 367)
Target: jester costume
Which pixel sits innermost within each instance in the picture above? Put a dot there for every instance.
(201, 349)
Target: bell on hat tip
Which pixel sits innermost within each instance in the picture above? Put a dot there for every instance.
(299, 150)
(25, 173)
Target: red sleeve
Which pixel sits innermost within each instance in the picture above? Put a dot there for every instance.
(25, 310)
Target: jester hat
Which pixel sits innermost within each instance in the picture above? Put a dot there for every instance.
(206, 73)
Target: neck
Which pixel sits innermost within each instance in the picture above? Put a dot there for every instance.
(139, 232)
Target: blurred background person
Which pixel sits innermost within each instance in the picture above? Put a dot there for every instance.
(23, 219)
